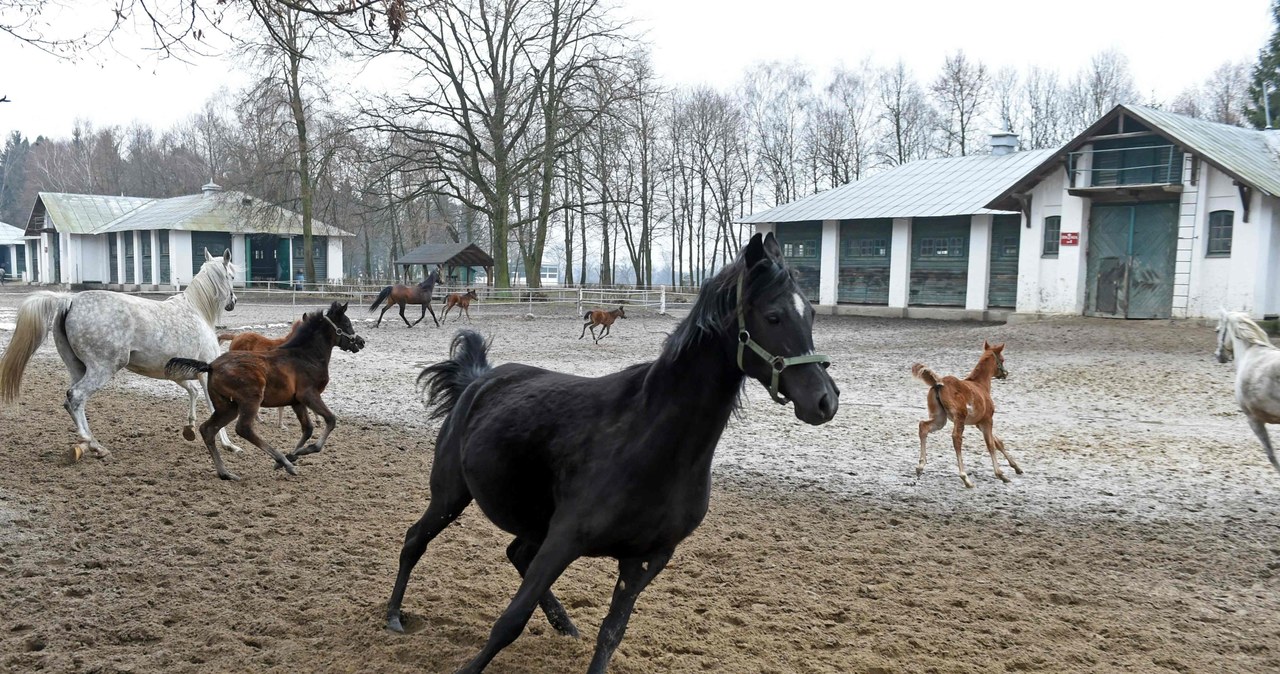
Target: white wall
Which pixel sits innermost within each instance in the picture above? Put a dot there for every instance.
(334, 260)
(1043, 282)
(180, 257)
(93, 257)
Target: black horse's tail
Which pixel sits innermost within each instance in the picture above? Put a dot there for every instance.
(381, 296)
(445, 381)
(185, 368)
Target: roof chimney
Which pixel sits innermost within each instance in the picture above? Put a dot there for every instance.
(211, 188)
(1004, 142)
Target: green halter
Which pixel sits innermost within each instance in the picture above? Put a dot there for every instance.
(776, 363)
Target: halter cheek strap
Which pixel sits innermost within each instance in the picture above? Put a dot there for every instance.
(776, 363)
(350, 337)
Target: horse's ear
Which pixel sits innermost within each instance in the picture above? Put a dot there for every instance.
(771, 247)
(753, 252)
(985, 346)
(344, 305)
(226, 256)
(998, 347)
(207, 256)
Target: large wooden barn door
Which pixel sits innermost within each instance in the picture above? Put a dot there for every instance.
(319, 252)
(802, 247)
(939, 261)
(1130, 261)
(1002, 285)
(162, 250)
(864, 261)
(128, 257)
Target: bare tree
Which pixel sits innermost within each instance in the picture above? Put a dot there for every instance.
(776, 97)
(962, 90)
(905, 115)
(1009, 114)
(1047, 124)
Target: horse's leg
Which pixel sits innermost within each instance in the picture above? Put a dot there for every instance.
(304, 420)
(244, 428)
(403, 318)
(313, 401)
(222, 431)
(584, 330)
(990, 439)
(75, 368)
(384, 313)
(467, 308)
(633, 576)
(937, 419)
(521, 552)
(424, 315)
(553, 557)
(209, 429)
(1007, 457)
(449, 497)
(427, 306)
(1260, 430)
(94, 378)
(957, 439)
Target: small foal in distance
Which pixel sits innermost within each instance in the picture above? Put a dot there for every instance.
(460, 300)
(965, 401)
(600, 317)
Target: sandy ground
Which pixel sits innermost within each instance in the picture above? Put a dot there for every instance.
(1143, 537)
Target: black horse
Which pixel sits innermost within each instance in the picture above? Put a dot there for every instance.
(400, 294)
(616, 466)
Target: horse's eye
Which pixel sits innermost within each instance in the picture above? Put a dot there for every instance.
(773, 319)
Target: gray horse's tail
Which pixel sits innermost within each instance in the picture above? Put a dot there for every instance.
(445, 381)
(381, 296)
(185, 368)
(37, 314)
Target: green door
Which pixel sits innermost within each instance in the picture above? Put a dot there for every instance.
(1130, 261)
(802, 248)
(113, 245)
(864, 261)
(282, 259)
(939, 261)
(319, 254)
(128, 257)
(162, 250)
(216, 242)
(1002, 284)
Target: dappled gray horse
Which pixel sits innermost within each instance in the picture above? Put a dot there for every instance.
(98, 332)
(1257, 373)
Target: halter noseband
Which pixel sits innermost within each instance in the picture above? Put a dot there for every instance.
(352, 338)
(776, 363)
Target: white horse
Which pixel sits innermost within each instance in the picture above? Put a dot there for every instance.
(98, 332)
(1257, 373)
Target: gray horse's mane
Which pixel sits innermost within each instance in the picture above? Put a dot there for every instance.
(205, 293)
(1244, 328)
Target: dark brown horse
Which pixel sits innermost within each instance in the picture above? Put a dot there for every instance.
(460, 300)
(600, 317)
(616, 466)
(253, 341)
(400, 294)
(965, 401)
(294, 375)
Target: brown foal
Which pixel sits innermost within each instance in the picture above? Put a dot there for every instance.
(253, 341)
(460, 300)
(965, 401)
(600, 317)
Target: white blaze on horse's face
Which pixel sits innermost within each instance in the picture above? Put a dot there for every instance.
(799, 302)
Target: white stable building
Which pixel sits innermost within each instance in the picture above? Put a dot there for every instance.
(159, 244)
(1146, 214)
(13, 249)
(1150, 214)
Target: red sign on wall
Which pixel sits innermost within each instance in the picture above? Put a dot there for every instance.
(1070, 239)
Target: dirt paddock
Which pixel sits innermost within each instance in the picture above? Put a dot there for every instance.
(1143, 537)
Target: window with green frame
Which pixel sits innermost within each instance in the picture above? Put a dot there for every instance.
(1052, 235)
(942, 246)
(1221, 224)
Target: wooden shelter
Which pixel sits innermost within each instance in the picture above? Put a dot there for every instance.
(452, 257)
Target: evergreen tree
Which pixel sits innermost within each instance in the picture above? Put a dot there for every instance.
(1265, 71)
(13, 178)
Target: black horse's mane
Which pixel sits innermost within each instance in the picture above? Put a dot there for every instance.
(312, 322)
(715, 311)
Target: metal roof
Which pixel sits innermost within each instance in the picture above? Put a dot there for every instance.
(10, 235)
(216, 212)
(451, 254)
(83, 213)
(213, 212)
(925, 188)
(1247, 155)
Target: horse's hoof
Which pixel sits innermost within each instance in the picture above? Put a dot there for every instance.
(1003, 478)
(75, 454)
(188, 434)
(919, 471)
(394, 625)
(1017, 470)
(968, 484)
(229, 477)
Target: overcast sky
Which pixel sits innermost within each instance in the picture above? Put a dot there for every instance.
(713, 41)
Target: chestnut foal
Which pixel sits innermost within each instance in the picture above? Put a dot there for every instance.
(602, 318)
(965, 401)
(253, 341)
(460, 300)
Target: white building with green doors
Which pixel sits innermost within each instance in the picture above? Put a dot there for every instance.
(13, 252)
(159, 244)
(1150, 214)
(917, 240)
